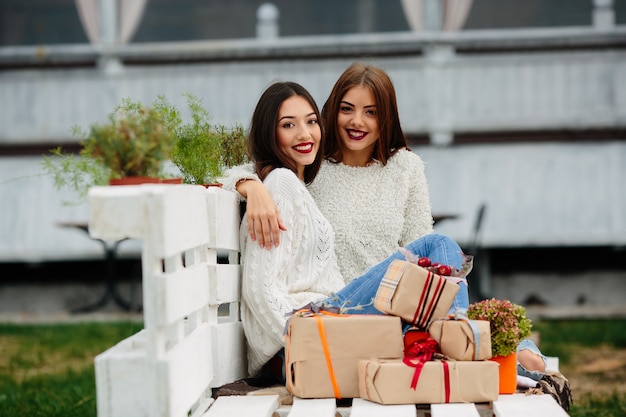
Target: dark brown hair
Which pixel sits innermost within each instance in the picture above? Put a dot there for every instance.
(391, 135)
(263, 143)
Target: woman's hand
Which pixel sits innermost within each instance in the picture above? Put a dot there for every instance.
(264, 222)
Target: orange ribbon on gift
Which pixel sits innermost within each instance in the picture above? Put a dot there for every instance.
(331, 372)
(311, 310)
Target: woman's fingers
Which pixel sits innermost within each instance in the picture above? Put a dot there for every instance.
(268, 235)
(264, 222)
(267, 229)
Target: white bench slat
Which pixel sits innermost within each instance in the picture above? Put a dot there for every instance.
(116, 213)
(121, 370)
(203, 406)
(364, 408)
(522, 405)
(185, 372)
(454, 410)
(224, 280)
(244, 406)
(170, 230)
(224, 219)
(228, 353)
(159, 213)
(187, 290)
(322, 407)
(552, 363)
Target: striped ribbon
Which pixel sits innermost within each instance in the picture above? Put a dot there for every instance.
(425, 310)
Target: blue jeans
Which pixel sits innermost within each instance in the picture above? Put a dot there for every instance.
(358, 296)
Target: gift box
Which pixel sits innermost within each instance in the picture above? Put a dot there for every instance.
(462, 339)
(414, 293)
(322, 351)
(390, 382)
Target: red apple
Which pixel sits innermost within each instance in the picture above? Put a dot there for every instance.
(423, 262)
(444, 270)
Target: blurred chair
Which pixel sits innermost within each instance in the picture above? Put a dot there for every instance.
(475, 238)
(479, 281)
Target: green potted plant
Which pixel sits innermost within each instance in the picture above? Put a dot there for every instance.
(203, 150)
(134, 143)
(509, 326)
(508, 323)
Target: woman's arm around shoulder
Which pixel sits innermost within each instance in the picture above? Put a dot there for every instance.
(264, 221)
(234, 176)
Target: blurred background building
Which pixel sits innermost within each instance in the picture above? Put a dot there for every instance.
(518, 108)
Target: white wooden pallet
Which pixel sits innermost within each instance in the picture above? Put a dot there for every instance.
(192, 339)
(516, 405)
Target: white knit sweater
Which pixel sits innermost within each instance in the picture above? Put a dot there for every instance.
(372, 209)
(301, 270)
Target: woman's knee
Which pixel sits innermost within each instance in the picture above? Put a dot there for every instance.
(439, 248)
(449, 247)
(531, 360)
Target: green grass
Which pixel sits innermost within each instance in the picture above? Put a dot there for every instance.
(47, 370)
(611, 406)
(563, 338)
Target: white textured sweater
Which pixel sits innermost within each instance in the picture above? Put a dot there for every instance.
(372, 209)
(300, 270)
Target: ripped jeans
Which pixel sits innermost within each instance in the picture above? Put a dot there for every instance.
(358, 296)
(530, 345)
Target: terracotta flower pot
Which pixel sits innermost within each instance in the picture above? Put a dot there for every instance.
(507, 373)
(144, 180)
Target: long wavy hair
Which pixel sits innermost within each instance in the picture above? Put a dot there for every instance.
(262, 140)
(392, 137)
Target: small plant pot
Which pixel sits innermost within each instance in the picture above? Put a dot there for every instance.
(144, 180)
(507, 373)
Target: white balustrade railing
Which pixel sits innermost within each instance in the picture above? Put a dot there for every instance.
(471, 81)
(492, 82)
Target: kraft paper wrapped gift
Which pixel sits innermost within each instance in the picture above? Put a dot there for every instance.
(462, 339)
(348, 338)
(414, 293)
(389, 382)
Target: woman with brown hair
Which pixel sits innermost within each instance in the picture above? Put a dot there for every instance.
(286, 145)
(371, 186)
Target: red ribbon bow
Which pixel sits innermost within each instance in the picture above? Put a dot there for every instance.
(422, 350)
(417, 354)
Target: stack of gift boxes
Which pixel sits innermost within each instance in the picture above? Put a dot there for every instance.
(442, 358)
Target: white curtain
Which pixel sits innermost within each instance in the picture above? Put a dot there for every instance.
(129, 13)
(454, 13)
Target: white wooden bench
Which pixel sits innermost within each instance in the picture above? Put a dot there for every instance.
(192, 339)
